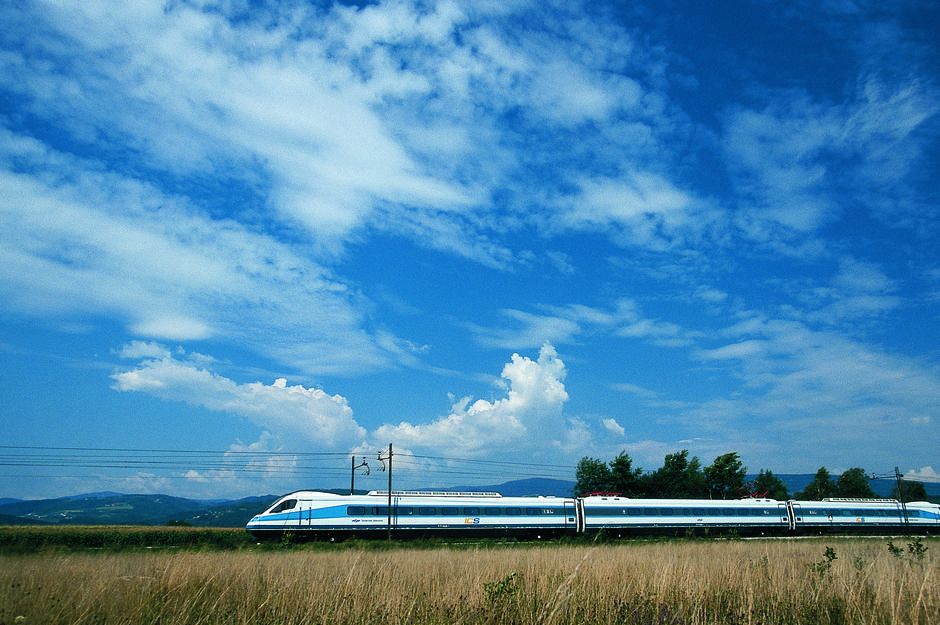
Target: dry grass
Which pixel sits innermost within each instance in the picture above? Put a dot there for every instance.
(736, 582)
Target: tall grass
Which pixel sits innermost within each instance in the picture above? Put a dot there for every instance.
(740, 582)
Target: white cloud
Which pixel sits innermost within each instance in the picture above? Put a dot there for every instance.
(735, 351)
(796, 160)
(529, 415)
(612, 426)
(924, 474)
(288, 411)
(564, 324)
(137, 350)
(798, 384)
(107, 246)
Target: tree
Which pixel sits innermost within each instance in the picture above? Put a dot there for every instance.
(854, 483)
(912, 491)
(725, 476)
(769, 485)
(593, 476)
(678, 477)
(820, 488)
(624, 478)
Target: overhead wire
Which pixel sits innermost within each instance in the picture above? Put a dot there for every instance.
(90, 462)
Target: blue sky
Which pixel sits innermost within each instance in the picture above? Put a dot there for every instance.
(243, 241)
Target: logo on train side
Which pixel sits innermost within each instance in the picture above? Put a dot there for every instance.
(472, 521)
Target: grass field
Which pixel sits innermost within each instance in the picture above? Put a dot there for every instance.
(835, 580)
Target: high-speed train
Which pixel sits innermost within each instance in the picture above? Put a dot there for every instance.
(318, 515)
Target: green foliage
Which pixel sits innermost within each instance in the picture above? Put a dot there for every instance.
(897, 552)
(624, 478)
(178, 523)
(593, 476)
(854, 483)
(499, 592)
(725, 476)
(30, 539)
(910, 491)
(678, 477)
(769, 485)
(917, 549)
(822, 567)
(821, 487)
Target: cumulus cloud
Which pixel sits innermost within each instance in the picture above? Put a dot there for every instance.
(530, 413)
(290, 411)
(924, 474)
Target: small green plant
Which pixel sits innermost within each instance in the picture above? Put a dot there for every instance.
(822, 567)
(917, 549)
(500, 591)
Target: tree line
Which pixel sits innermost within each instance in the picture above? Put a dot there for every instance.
(682, 477)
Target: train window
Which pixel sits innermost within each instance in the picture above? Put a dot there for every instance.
(404, 510)
(533, 511)
(355, 510)
(380, 510)
(514, 511)
(744, 512)
(727, 511)
(471, 511)
(491, 511)
(686, 512)
(713, 511)
(427, 511)
(634, 511)
(285, 505)
(449, 511)
(650, 511)
(666, 511)
(698, 511)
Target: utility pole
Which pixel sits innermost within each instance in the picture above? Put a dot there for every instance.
(352, 473)
(897, 477)
(389, 468)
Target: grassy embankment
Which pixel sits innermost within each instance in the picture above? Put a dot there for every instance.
(840, 580)
(32, 539)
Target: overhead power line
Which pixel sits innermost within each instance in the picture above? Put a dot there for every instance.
(31, 461)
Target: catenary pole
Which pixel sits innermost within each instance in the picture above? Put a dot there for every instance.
(389, 491)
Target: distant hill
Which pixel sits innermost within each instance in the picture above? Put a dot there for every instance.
(103, 510)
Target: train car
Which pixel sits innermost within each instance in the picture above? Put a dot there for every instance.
(859, 516)
(312, 514)
(622, 516)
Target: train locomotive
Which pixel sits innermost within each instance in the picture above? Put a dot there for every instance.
(327, 516)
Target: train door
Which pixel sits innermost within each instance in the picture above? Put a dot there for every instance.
(797, 511)
(787, 514)
(573, 516)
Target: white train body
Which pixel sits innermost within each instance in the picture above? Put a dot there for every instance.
(314, 514)
(416, 513)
